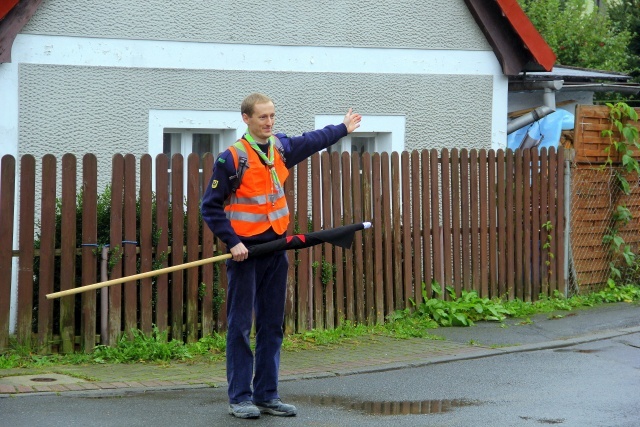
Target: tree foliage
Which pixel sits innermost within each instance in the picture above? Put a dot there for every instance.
(625, 14)
(579, 35)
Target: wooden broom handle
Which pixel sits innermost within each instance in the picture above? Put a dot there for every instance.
(138, 276)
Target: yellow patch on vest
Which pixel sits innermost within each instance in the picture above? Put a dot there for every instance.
(214, 184)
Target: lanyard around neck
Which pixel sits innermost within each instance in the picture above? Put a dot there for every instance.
(254, 145)
(268, 160)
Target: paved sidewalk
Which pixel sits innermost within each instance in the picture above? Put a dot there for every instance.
(365, 354)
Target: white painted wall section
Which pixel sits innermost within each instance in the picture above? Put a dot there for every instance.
(63, 50)
(500, 107)
(9, 146)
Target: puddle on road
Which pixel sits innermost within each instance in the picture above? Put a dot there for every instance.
(545, 420)
(573, 350)
(368, 406)
(390, 407)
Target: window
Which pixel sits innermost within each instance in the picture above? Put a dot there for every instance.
(185, 132)
(186, 141)
(362, 142)
(376, 134)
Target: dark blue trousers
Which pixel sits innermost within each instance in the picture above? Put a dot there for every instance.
(255, 285)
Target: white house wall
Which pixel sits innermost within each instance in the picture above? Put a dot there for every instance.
(426, 24)
(104, 109)
(85, 75)
(426, 60)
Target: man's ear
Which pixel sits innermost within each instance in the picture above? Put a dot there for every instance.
(245, 118)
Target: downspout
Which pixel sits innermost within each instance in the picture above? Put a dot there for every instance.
(549, 98)
(568, 162)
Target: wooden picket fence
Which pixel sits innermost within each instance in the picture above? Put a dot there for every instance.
(489, 221)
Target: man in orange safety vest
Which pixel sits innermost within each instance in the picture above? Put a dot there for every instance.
(245, 204)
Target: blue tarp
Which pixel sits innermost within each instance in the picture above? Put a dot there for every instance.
(547, 130)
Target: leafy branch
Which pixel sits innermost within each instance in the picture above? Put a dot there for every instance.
(623, 139)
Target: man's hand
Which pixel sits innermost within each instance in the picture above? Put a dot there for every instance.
(239, 252)
(352, 121)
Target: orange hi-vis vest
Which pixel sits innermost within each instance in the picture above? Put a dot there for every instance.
(257, 203)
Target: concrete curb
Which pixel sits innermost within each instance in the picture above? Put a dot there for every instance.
(106, 388)
(482, 353)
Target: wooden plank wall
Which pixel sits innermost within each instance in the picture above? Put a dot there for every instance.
(469, 219)
(588, 142)
(594, 198)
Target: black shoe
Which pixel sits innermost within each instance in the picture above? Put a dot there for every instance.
(276, 407)
(244, 409)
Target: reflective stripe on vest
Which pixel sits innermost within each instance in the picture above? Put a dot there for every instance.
(257, 200)
(255, 205)
(251, 217)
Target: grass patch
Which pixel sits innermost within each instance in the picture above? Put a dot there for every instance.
(140, 348)
(420, 321)
(468, 307)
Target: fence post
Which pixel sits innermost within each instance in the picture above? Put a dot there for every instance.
(177, 247)
(68, 253)
(26, 248)
(7, 197)
(193, 208)
(568, 162)
(115, 247)
(89, 234)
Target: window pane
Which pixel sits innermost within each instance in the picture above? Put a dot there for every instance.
(202, 143)
(362, 144)
(166, 143)
(171, 144)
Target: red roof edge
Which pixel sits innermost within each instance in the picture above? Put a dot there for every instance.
(14, 19)
(6, 6)
(531, 38)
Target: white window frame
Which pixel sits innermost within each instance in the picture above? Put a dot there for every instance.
(185, 144)
(228, 124)
(389, 131)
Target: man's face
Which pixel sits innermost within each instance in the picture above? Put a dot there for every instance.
(261, 122)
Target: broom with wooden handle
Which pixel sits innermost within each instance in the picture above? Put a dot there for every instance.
(339, 236)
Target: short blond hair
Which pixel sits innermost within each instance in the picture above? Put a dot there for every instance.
(250, 101)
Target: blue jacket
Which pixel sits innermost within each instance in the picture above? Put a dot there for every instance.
(296, 149)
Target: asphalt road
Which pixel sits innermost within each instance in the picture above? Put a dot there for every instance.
(590, 384)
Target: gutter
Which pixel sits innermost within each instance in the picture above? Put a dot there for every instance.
(550, 87)
(604, 87)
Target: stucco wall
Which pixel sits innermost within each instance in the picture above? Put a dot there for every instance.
(426, 24)
(106, 110)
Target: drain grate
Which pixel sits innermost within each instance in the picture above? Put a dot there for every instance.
(40, 379)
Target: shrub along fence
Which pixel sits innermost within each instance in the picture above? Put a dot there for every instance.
(487, 221)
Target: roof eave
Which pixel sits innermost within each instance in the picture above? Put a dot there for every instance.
(515, 41)
(12, 24)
